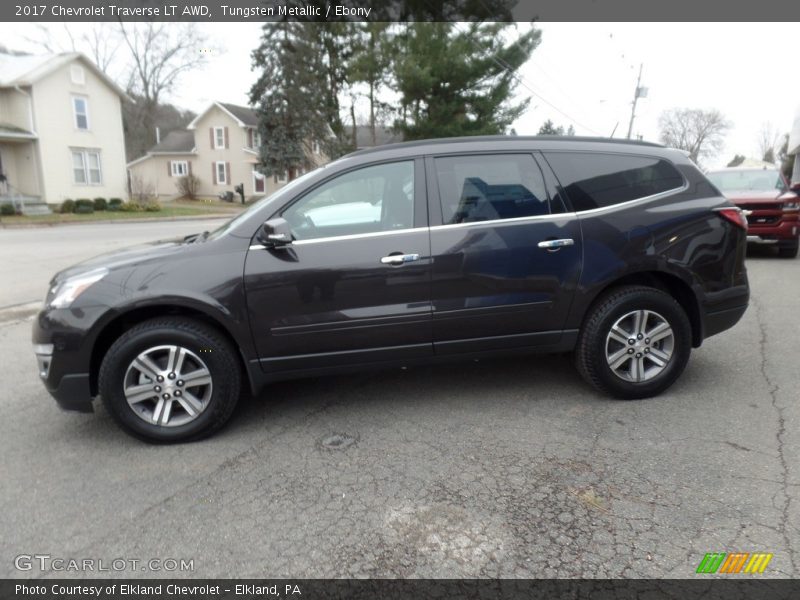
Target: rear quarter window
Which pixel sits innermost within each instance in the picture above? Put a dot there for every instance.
(595, 180)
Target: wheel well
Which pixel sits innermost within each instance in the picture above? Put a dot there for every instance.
(113, 330)
(672, 285)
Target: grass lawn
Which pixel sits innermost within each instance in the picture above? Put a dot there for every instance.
(167, 211)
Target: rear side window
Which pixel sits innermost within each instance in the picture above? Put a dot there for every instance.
(598, 180)
(490, 187)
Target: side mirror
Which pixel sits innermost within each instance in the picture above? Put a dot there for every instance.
(275, 233)
(795, 186)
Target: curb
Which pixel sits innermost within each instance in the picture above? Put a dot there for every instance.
(18, 312)
(117, 221)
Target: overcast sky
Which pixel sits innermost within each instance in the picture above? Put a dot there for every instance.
(582, 74)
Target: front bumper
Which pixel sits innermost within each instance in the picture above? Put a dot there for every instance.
(62, 346)
(783, 231)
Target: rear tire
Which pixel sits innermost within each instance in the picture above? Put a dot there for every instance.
(170, 379)
(789, 251)
(614, 353)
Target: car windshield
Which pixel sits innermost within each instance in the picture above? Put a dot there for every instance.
(219, 232)
(759, 180)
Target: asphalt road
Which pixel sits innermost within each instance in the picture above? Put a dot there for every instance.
(31, 256)
(505, 468)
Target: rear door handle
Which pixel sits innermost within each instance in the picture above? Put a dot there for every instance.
(553, 245)
(399, 259)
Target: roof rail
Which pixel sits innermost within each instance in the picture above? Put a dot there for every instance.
(506, 138)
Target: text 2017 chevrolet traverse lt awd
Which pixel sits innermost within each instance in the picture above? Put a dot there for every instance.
(410, 253)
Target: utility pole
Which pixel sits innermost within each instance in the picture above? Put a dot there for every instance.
(640, 92)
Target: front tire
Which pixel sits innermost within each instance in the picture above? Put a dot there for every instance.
(170, 379)
(790, 250)
(635, 342)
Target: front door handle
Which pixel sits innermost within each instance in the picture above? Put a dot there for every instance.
(553, 245)
(399, 259)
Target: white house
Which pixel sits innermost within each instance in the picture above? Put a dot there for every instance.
(61, 132)
(794, 147)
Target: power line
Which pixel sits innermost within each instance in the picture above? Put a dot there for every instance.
(503, 65)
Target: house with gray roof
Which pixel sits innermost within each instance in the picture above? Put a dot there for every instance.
(220, 147)
(61, 132)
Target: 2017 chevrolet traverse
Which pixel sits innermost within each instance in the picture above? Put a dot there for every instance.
(620, 251)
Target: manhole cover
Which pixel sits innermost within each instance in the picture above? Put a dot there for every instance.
(338, 441)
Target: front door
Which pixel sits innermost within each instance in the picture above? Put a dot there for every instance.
(258, 181)
(506, 256)
(354, 285)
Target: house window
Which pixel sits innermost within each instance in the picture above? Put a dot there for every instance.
(86, 167)
(315, 147)
(256, 139)
(180, 168)
(222, 173)
(219, 137)
(281, 178)
(77, 75)
(80, 107)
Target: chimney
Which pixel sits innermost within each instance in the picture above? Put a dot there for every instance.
(158, 135)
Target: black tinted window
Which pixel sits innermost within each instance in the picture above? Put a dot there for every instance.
(598, 180)
(489, 187)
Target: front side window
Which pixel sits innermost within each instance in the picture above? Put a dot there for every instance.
(86, 167)
(367, 200)
(80, 107)
(595, 180)
(476, 188)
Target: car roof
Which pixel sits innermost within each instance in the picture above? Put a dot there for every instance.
(481, 141)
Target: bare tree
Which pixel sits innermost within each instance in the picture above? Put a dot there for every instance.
(160, 53)
(100, 42)
(700, 132)
(768, 140)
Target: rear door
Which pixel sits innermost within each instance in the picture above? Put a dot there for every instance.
(506, 254)
(354, 285)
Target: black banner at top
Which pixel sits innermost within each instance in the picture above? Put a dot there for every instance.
(397, 10)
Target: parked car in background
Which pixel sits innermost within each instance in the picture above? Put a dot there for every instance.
(622, 252)
(771, 207)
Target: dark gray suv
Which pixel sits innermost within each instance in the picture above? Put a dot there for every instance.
(622, 252)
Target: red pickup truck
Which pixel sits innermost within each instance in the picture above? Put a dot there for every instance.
(770, 206)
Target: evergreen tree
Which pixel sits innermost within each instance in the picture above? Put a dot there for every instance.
(548, 128)
(736, 160)
(370, 65)
(458, 80)
(287, 98)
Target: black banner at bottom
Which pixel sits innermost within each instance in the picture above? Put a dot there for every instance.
(374, 589)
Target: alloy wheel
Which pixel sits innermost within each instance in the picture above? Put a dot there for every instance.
(168, 386)
(639, 346)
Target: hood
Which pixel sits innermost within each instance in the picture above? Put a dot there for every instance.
(753, 196)
(142, 253)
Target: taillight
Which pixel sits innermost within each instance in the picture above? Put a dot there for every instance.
(734, 215)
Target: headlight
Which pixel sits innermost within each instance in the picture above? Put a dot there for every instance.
(65, 293)
(791, 205)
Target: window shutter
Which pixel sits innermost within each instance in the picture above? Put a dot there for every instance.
(189, 165)
(228, 172)
(211, 136)
(169, 168)
(249, 138)
(226, 136)
(214, 172)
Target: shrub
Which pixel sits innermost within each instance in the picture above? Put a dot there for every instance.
(7, 210)
(188, 186)
(153, 206)
(84, 206)
(114, 204)
(100, 204)
(67, 206)
(130, 207)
